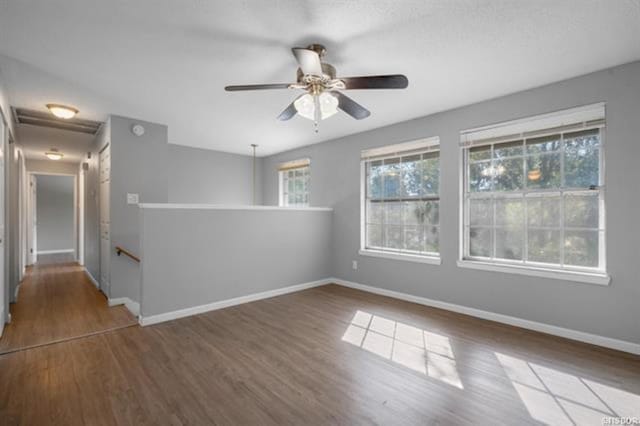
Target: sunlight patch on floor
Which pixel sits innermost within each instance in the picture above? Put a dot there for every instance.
(419, 350)
(558, 398)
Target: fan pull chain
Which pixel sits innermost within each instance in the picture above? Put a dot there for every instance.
(316, 112)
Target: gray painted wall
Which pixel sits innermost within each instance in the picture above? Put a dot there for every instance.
(55, 211)
(197, 256)
(211, 177)
(608, 311)
(138, 165)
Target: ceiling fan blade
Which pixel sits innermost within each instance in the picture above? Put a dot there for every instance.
(257, 87)
(289, 112)
(351, 107)
(394, 81)
(309, 60)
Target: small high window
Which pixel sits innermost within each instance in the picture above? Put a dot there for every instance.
(294, 183)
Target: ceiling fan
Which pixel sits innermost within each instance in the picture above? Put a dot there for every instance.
(323, 97)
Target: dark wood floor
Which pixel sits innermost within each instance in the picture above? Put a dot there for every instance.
(57, 301)
(328, 355)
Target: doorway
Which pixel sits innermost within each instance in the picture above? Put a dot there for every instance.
(52, 218)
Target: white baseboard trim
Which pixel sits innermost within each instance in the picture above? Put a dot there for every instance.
(580, 336)
(16, 293)
(181, 313)
(56, 251)
(133, 307)
(91, 278)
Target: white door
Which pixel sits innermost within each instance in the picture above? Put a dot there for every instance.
(3, 145)
(105, 235)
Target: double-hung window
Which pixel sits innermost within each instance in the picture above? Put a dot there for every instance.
(294, 183)
(401, 200)
(533, 192)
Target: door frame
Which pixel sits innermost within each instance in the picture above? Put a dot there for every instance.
(32, 243)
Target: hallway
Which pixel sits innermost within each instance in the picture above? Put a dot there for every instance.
(56, 302)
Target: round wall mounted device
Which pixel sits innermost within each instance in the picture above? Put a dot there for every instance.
(138, 129)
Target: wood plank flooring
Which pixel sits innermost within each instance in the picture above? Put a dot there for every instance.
(329, 355)
(57, 301)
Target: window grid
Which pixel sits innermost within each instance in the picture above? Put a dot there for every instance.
(525, 194)
(295, 187)
(428, 230)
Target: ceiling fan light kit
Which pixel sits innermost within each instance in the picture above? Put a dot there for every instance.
(323, 97)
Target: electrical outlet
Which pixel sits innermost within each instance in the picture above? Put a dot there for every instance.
(354, 265)
(132, 198)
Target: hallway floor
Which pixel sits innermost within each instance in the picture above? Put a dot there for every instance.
(56, 302)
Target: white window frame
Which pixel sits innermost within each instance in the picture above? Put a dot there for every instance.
(431, 144)
(300, 164)
(574, 120)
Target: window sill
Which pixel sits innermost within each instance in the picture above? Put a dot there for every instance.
(432, 260)
(584, 277)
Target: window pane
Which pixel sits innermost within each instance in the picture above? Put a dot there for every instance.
(374, 235)
(291, 199)
(510, 212)
(480, 211)
(509, 149)
(391, 178)
(393, 237)
(543, 171)
(299, 172)
(411, 176)
(508, 174)
(480, 242)
(431, 239)
(544, 246)
(374, 179)
(480, 153)
(394, 213)
(422, 212)
(374, 212)
(581, 211)
(509, 243)
(413, 238)
(543, 211)
(581, 248)
(582, 159)
(291, 185)
(412, 211)
(299, 185)
(543, 144)
(431, 174)
(480, 176)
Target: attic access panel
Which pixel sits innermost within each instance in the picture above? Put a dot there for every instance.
(45, 119)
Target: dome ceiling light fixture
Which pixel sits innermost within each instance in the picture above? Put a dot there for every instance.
(54, 154)
(62, 111)
(324, 97)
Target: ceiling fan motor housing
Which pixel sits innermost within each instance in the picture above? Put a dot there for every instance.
(328, 74)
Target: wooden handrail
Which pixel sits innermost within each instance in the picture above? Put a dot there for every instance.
(128, 253)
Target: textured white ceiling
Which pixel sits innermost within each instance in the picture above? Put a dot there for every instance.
(168, 61)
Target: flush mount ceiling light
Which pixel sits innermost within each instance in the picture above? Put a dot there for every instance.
(54, 154)
(62, 111)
